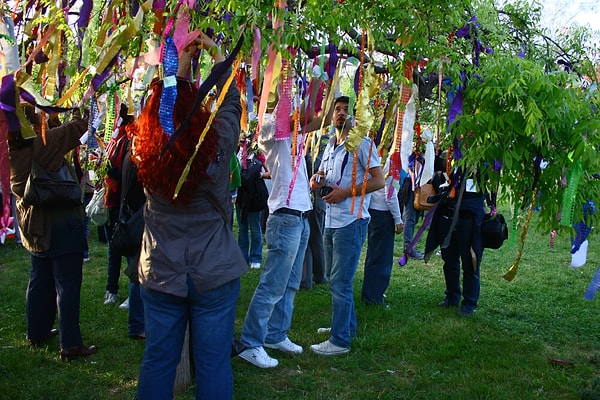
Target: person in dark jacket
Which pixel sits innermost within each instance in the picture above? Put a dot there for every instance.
(53, 236)
(456, 228)
(190, 263)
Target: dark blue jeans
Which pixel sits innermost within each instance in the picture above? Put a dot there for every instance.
(465, 237)
(114, 257)
(380, 256)
(55, 284)
(250, 236)
(342, 252)
(136, 311)
(86, 252)
(211, 316)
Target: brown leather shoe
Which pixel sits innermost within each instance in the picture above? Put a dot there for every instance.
(41, 342)
(74, 352)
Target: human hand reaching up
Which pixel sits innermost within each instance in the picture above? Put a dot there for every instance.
(203, 41)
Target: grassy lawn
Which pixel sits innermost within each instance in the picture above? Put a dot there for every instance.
(412, 350)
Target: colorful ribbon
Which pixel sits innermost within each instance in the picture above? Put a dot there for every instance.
(169, 93)
(593, 287)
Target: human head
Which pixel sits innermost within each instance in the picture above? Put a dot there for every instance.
(341, 113)
(160, 173)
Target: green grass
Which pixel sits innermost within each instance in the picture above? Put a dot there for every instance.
(413, 350)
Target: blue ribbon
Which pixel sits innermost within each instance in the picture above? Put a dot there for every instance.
(169, 92)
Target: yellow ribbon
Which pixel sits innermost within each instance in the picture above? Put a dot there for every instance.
(186, 170)
(117, 41)
(68, 95)
(512, 272)
(363, 112)
(54, 51)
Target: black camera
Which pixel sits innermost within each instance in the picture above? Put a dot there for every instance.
(325, 190)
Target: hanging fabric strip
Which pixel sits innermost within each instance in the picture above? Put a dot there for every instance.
(363, 112)
(593, 287)
(35, 100)
(188, 166)
(111, 111)
(570, 194)
(439, 112)
(219, 70)
(284, 105)
(266, 86)
(403, 137)
(8, 102)
(168, 96)
(256, 52)
(99, 79)
(68, 95)
(512, 272)
(40, 44)
(426, 222)
(55, 55)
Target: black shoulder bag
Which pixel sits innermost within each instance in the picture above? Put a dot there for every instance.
(57, 189)
(493, 228)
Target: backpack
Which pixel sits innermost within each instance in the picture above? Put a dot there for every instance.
(253, 193)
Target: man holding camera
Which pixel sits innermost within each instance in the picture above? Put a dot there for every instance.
(346, 221)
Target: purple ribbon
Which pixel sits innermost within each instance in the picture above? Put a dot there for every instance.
(8, 102)
(333, 59)
(99, 79)
(49, 109)
(426, 222)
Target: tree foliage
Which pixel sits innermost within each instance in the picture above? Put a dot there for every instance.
(524, 97)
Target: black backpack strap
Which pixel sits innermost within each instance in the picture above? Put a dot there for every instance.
(455, 216)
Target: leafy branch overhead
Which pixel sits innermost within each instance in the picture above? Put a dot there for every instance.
(525, 102)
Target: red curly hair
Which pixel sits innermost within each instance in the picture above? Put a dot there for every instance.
(160, 175)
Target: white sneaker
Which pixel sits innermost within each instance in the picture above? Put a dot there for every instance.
(124, 305)
(110, 298)
(259, 357)
(324, 330)
(327, 348)
(286, 346)
(255, 265)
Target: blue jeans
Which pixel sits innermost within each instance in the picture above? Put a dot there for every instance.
(211, 316)
(86, 199)
(114, 257)
(55, 284)
(342, 251)
(465, 243)
(252, 241)
(380, 256)
(269, 315)
(135, 324)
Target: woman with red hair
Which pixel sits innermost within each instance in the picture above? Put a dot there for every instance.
(190, 263)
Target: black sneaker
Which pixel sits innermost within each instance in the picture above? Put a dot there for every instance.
(465, 311)
(446, 303)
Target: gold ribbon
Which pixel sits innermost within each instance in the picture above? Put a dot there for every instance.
(68, 95)
(363, 112)
(512, 272)
(224, 90)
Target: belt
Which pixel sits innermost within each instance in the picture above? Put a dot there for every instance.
(283, 210)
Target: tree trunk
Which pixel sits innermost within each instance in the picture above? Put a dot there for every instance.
(183, 379)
